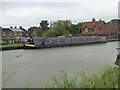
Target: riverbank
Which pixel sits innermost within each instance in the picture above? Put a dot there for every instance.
(21, 45)
(12, 46)
(113, 40)
(107, 78)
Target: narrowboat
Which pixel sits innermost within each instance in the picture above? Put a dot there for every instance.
(40, 42)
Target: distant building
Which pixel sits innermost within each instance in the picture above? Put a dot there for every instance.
(13, 34)
(100, 28)
(7, 34)
(17, 31)
(115, 21)
(111, 30)
(92, 28)
(33, 31)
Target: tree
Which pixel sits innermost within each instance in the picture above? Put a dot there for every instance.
(75, 29)
(72, 29)
(58, 28)
(78, 26)
(61, 27)
(44, 25)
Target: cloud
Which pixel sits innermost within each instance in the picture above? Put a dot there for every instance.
(31, 13)
(25, 12)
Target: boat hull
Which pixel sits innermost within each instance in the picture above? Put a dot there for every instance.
(62, 42)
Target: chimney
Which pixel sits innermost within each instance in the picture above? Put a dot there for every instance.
(15, 27)
(93, 20)
(11, 27)
(100, 20)
(20, 27)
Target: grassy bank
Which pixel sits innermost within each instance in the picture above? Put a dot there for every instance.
(107, 78)
(113, 39)
(10, 46)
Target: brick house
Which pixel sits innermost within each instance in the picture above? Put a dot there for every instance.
(110, 30)
(92, 28)
(33, 30)
(100, 28)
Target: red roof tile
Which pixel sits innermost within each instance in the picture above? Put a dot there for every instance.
(98, 24)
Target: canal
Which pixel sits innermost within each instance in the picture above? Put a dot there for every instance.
(34, 68)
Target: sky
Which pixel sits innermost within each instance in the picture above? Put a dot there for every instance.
(29, 13)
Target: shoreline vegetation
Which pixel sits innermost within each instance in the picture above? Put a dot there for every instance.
(12, 46)
(107, 78)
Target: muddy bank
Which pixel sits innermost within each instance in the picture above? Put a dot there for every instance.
(11, 48)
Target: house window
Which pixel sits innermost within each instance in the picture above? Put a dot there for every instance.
(112, 34)
(4, 34)
(15, 33)
(20, 33)
(10, 34)
(86, 29)
(95, 29)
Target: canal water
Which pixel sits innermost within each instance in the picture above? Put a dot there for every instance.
(35, 68)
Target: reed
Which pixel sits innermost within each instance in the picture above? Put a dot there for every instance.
(107, 78)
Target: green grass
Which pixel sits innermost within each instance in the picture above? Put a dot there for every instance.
(107, 78)
(12, 45)
(112, 39)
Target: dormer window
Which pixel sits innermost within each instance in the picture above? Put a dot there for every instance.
(15, 33)
(86, 29)
(95, 28)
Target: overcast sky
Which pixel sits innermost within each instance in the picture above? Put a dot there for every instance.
(30, 12)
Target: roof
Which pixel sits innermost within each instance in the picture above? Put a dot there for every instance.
(33, 28)
(6, 30)
(110, 28)
(107, 29)
(90, 25)
(17, 30)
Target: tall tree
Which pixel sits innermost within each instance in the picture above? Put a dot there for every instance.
(78, 26)
(44, 25)
(59, 28)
